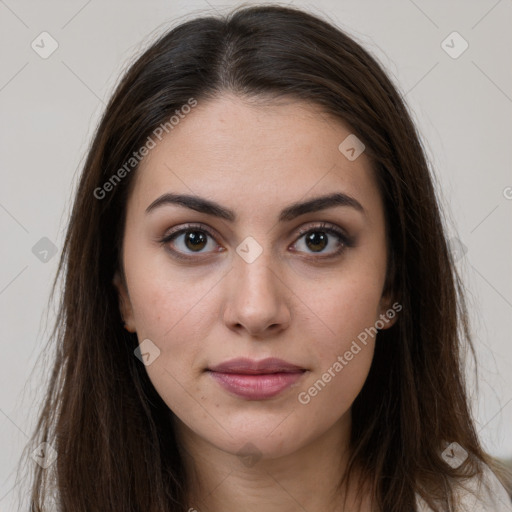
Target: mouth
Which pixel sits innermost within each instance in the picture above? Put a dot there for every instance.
(256, 380)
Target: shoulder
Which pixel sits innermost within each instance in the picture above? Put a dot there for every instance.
(478, 494)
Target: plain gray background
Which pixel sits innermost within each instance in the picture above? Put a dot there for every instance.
(50, 107)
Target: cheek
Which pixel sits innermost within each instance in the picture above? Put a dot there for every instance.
(341, 357)
(340, 307)
(166, 301)
(175, 309)
(329, 394)
(342, 337)
(175, 322)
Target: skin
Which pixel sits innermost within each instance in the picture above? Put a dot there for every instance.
(256, 158)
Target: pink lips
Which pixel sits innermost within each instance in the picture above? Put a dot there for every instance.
(256, 380)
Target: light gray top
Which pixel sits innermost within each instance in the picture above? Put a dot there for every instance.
(489, 496)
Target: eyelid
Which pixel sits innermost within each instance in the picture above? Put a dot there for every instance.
(328, 226)
(190, 226)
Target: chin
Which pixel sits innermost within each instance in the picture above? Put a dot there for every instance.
(262, 442)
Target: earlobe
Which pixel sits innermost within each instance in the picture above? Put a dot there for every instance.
(388, 313)
(125, 307)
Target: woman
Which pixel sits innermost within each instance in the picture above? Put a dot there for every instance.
(259, 308)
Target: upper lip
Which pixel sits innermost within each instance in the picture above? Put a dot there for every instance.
(251, 366)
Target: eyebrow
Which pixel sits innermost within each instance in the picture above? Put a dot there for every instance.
(208, 207)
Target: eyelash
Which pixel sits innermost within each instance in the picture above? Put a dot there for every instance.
(344, 240)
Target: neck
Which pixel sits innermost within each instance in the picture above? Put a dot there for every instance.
(307, 479)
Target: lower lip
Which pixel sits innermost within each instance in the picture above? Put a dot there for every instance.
(256, 387)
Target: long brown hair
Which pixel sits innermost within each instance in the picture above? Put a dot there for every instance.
(112, 432)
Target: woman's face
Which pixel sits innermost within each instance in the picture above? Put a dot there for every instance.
(241, 279)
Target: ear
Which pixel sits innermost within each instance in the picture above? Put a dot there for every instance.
(125, 306)
(389, 308)
(388, 312)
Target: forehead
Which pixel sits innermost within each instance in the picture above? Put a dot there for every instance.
(253, 155)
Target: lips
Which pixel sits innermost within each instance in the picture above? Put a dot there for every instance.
(256, 380)
(251, 367)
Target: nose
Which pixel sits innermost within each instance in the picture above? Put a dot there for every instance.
(257, 300)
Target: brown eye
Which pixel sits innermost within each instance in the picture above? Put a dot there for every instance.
(189, 240)
(195, 240)
(316, 241)
(326, 240)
